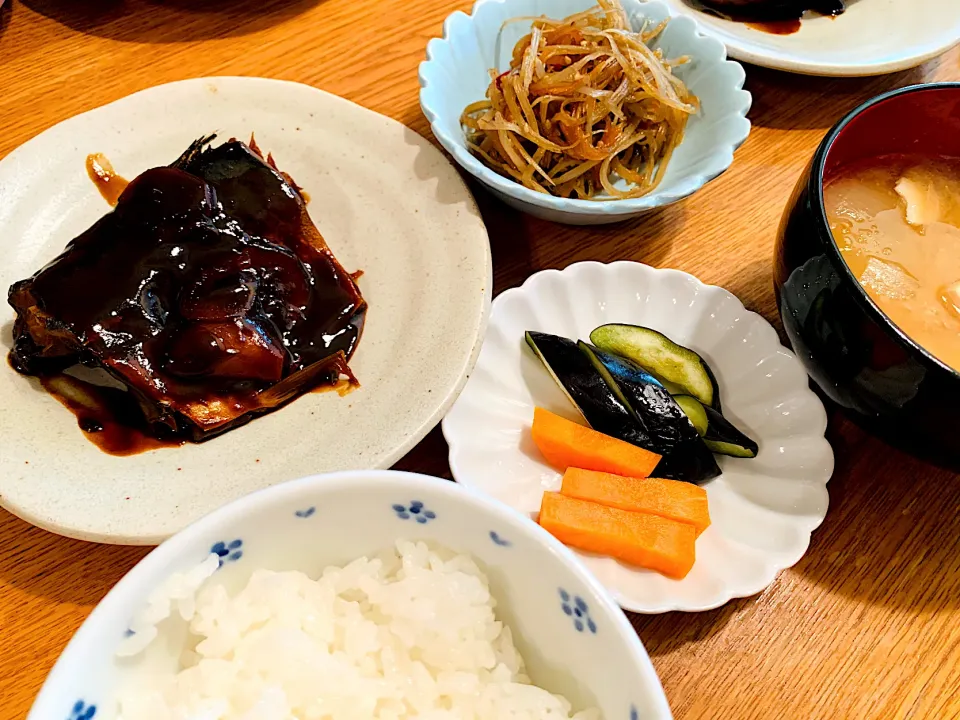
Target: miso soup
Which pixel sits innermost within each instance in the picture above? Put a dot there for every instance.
(896, 220)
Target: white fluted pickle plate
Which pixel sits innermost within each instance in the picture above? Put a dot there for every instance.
(763, 509)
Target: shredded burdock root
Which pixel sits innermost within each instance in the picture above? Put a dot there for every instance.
(586, 101)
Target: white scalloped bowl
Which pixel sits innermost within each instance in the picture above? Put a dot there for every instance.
(455, 74)
(763, 509)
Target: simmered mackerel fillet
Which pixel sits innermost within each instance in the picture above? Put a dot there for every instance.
(208, 292)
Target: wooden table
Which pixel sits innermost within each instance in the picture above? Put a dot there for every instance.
(867, 625)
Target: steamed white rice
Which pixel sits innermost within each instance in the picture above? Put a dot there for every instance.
(408, 634)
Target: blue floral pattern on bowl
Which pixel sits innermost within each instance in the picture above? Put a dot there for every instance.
(414, 510)
(82, 711)
(634, 715)
(576, 607)
(355, 516)
(499, 540)
(305, 513)
(228, 551)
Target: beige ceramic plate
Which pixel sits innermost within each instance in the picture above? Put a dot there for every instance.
(387, 202)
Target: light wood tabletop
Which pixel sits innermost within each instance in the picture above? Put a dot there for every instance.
(867, 625)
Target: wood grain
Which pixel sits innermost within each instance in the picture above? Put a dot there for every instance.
(867, 625)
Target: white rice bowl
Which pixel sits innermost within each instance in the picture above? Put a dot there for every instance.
(199, 631)
(409, 633)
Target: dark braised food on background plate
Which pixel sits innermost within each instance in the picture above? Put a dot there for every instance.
(771, 10)
(208, 293)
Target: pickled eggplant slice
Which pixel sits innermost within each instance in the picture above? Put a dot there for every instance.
(624, 369)
(724, 438)
(671, 433)
(718, 433)
(694, 411)
(603, 410)
(681, 369)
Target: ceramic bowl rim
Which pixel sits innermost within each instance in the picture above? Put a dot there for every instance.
(592, 208)
(182, 542)
(815, 192)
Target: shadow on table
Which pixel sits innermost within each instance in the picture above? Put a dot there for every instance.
(892, 533)
(428, 457)
(61, 570)
(788, 101)
(752, 283)
(666, 633)
(5, 16)
(523, 245)
(165, 21)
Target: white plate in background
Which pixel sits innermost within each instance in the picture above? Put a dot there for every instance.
(763, 509)
(872, 37)
(386, 201)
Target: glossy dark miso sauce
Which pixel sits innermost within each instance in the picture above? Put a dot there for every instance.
(228, 305)
(110, 418)
(777, 27)
(777, 17)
